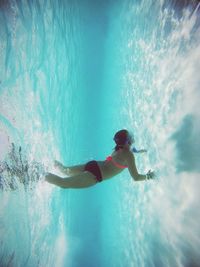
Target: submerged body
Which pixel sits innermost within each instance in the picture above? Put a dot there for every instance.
(81, 176)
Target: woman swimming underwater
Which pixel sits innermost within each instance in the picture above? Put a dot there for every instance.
(87, 175)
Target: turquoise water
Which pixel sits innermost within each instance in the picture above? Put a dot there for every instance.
(72, 73)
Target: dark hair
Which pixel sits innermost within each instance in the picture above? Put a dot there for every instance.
(120, 139)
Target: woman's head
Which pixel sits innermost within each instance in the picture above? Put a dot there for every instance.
(122, 138)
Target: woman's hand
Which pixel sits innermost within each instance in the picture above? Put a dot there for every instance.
(150, 175)
(139, 151)
(142, 150)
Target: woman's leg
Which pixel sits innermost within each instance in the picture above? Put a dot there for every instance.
(72, 170)
(82, 180)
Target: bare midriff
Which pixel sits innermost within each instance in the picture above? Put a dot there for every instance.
(108, 170)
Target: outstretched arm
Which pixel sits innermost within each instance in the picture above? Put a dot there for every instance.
(133, 169)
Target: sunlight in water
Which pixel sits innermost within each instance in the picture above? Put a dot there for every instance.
(71, 75)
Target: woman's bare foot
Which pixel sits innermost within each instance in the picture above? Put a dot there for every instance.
(49, 177)
(61, 167)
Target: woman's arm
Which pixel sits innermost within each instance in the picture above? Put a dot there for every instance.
(133, 169)
(130, 159)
